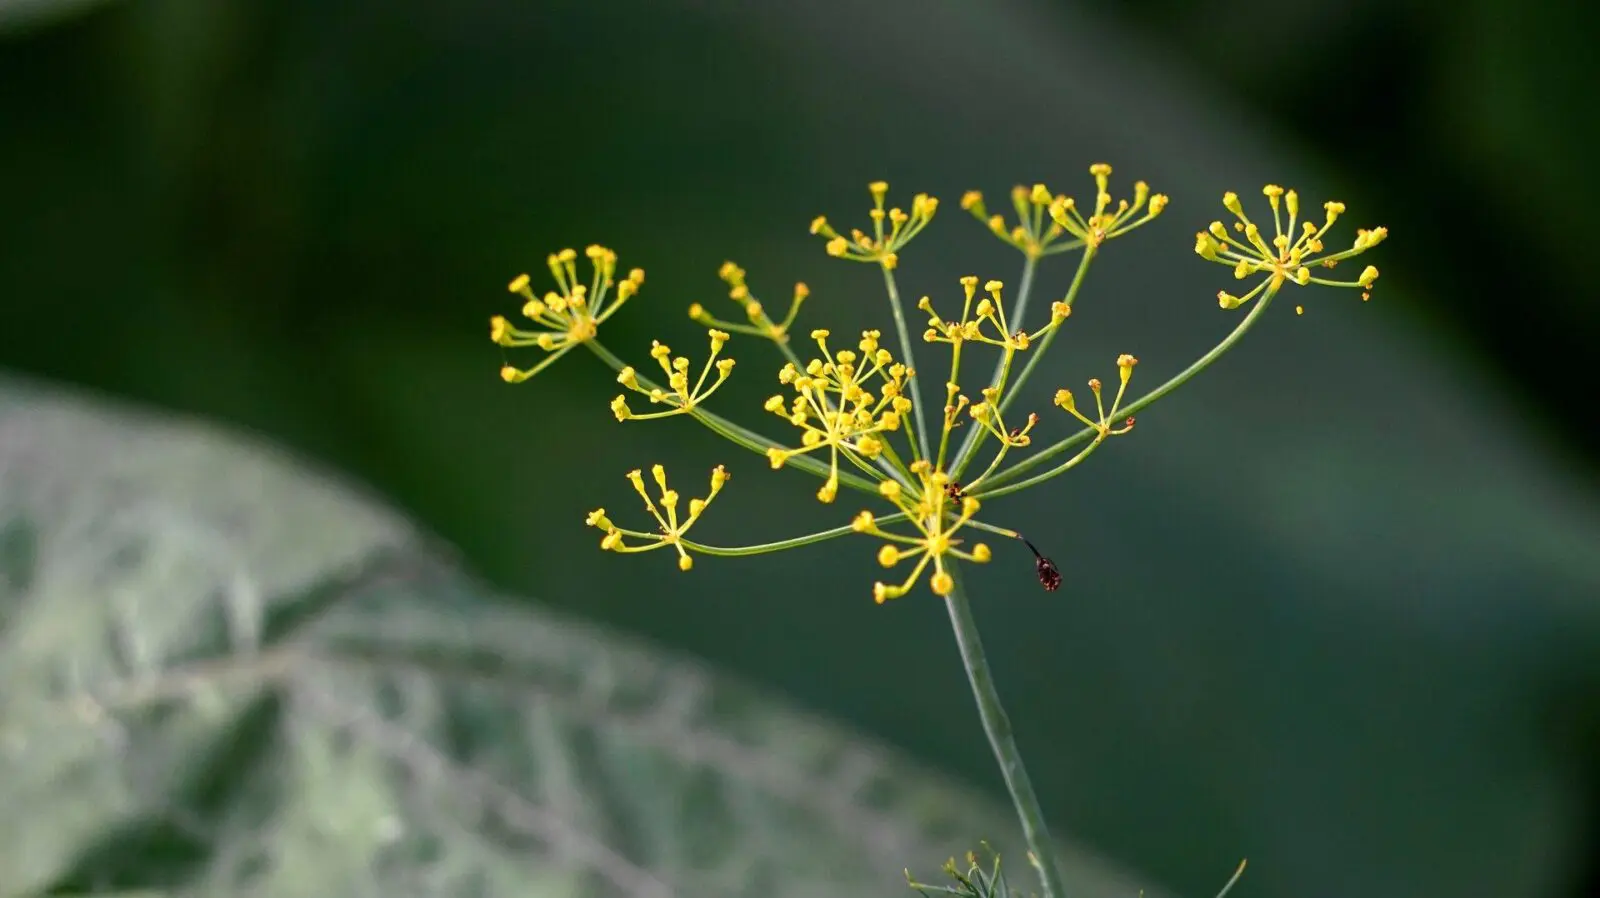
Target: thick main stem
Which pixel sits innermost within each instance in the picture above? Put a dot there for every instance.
(998, 727)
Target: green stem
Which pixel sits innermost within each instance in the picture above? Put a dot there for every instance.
(1062, 468)
(998, 728)
(945, 423)
(745, 437)
(1036, 353)
(794, 542)
(969, 444)
(918, 412)
(1144, 401)
(976, 436)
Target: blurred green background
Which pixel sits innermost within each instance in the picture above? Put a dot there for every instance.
(1333, 607)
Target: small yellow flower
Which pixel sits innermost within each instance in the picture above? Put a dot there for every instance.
(1045, 219)
(892, 229)
(569, 315)
(680, 396)
(1104, 222)
(670, 527)
(841, 401)
(1286, 258)
(1102, 423)
(760, 325)
(990, 310)
(937, 517)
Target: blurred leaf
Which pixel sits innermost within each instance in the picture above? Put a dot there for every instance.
(225, 675)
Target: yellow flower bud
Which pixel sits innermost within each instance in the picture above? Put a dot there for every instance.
(499, 329)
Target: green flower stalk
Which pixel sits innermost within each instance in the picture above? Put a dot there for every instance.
(857, 416)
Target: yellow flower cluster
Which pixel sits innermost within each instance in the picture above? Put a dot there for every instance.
(1287, 259)
(843, 402)
(569, 315)
(681, 396)
(1102, 421)
(847, 403)
(991, 309)
(671, 529)
(879, 246)
(1044, 219)
(936, 513)
(761, 325)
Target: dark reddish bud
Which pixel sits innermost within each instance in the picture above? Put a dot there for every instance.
(1049, 574)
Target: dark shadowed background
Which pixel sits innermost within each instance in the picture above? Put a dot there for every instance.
(1332, 607)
